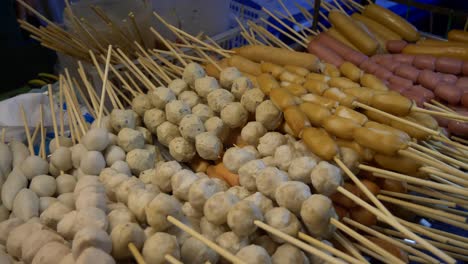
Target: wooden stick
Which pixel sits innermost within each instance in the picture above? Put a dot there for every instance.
(130, 79)
(88, 86)
(291, 16)
(369, 252)
(75, 110)
(389, 258)
(101, 75)
(396, 243)
(171, 259)
(131, 15)
(348, 246)
(402, 177)
(424, 156)
(441, 218)
(26, 130)
(151, 73)
(183, 55)
(119, 76)
(446, 176)
(62, 128)
(74, 133)
(54, 120)
(439, 155)
(460, 140)
(418, 198)
(36, 130)
(457, 253)
(339, 7)
(450, 210)
(42, 145)
(297, 243)
(387, 216)
(104, 85)
(454, 144)
(163, 74)
(319, 244)
(132, 67)
(85, 100)
(221, 251)
(435, 194)
(176, 54)
(72, 95)
(136, 254)
(302, 27)
(421, 208)
(441, 114)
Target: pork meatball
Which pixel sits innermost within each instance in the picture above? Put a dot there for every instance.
(203, 112)
(181, 149)
(217, 207)
(218, 99)
(190, 98)
(326, 178)
(283, 220)
(159, 245)
(205, 85)
(227, 77)
(153, 118)
(260, 200)
(241, 85)
(176, 110)
(300, 169)
(192, 72)
(216, 126)
(254, 254)
(241, 217)
(163, 175)
(269, 179)
(124, 234)
(177, 86)
(190, 126)
(268, 143)
(141, 103)
(122, 118)
(130, 139)
(161, 96)
(96, 139)
(252, 98)
(234, 115)
(248, 173)
(181, 183)
(288, 253)
(316, 212)
(291, 195)
(167, 132)
(235, 157)
(195, 251)
(252, 132)
(232, 242)
(159, 208)
(269, 115)
(201, 190)
(283, 156)
(210, 230)
(140, 160)
(208, 146)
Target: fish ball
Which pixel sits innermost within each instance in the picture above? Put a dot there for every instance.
(62, 159)
(203, 112)
(159, 208)
(283, 220)
(122, 235)
(163, 175)
(268, 114)
(33, 166)
(91, 237)
(161, 96)
(232, 242)
(63, 141)
(218, 99)
(77, 152)
(36, 241)
(283, 156)
(300, 169)
(192, 72)
(326, 178)
(316, 212)
(120, 216)
(252, 132)
(74, 221)
(176, 110)
(203, 86)
(195, 251)
(129, 139)
(190, 98)
(113, 154)
(234, 115)
(269, 142)
(252, 98)
(140, 160)
(241, 85)
(181, 149)
(26, 205)
(53, 214)
(159, 245)
(190, 126)
(96, 139)
(181, 183)
(211, 230)
(267, 243)
(291, 195)
(241, 217)
(201, 190)
(269, 179)
(288, 253)
(248, 174)
(254, 254)
(92, 163)
(141, 103)
(217, 207)
(18, 235)
(216, 126)
(260, 200)
(208, 146)
(235, 157)
(153, 118)
(122, 118)
(227, 77)
(94, 255)
(138, 199)
(167, 132)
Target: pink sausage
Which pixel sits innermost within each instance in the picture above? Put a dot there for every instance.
(464, 99)
(465, 68)
(449, 93)
(462, 82)
(395, 46)
(429, 79)
(443, 122)
(458, 128)
(426, 93)
(404, 58)
(448, 78)
(380, 57)
(449, 65)
(341, 49)
(382, 73)
(396, 87)
(390, 65)
(424, 62)
(369, 66)
(397, 80)
(414, 96)
(324, 53)
(408, 72)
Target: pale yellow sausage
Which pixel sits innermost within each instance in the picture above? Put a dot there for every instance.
(266, 82)
(282, 98)
(351, 114)
(316, 87)
(363, 95)
(378, 28)
(318, 77)
(391, 103)
(338, 36)
(425, 120)
(365, 153)
(315, 113)
(342, 83)
(320, 100)
(374, 116)
(340, 127)
(341, 97)
(273, 69)
(301, 71)
(381, 141)
(350, 71)
(291, 77)
(410, 130)
(397, 163)
(330, 70)
(320, 143)
(371, 81)
(245, 65)
(296, 119)
(296, 89)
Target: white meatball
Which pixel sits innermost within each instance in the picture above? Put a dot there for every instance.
(33, 166)
(122, 118)
(181, 183)
(350, 158)
(92, 163)
(67, 199)
(269, 179)
(63, 141)
(326, 178)
(254, 254)
(164, 173)
(252, 132)
(289, 254)
(167, 132)
(53, 170)
(147, 175)
(227, 77)
(26, 205)
(190, 212)
(121, 166)
(181, 235)
(138, 199)
(146, 134)
(190, 98)
(153, 118)
(268, 143)
(248, 173)
(19, 151)
(201, 190)
(218, 99)
(316, 212)
(269, 161)
(129, 139)
(159, 208)
(77, 152)
(268, 114)
(291, 195)
(216, 126)
(176, 110)
(43, 185)
(195, 251)
(62, 159)
(120, 216)
(203, 111)
(240, 86)
(205, 85)
(96, 139)
(74, 221)
(181, 149)
(141, 103)
(124, 188)
(53, 214)
(4, 213)
(260, 200)
(91, 237)
(112, 139)
(159, 245)
(283, 220)
(217, 207)
(239, 191)
(232, 242)
(7, 226)
(113, 154)
(65, 183)
(241, 218)
(18, 234)
(36, 241)
(190, 126)
(208, 146)
(235, 157)
(252, 98)
(45, 202)
(177, 86)
(161, 96)
(90, 198)
(140, 160)
(283, 156)
(234, 115)
(94, 255)
(192, 72)
(300, 169)
(122, 235)
(13, 184)
(211, 230)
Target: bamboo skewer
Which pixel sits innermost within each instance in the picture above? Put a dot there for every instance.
(418, 198)
(446, 176)
(104, 84)
(26, 130)
(163, 74)
(171, 259)
(54, 120)
(439, 156)
(348, 246)
(370, 252)
(130, 79)
(42, 151)
(439, 195)
(136, 254)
